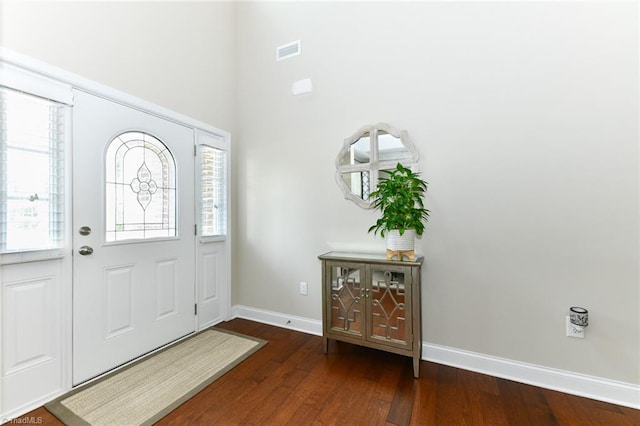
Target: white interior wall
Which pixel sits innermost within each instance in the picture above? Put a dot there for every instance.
(526, 118)
(179, 55)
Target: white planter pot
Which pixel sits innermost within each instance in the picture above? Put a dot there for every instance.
(404, 242)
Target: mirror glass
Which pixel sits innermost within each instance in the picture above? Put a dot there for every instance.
(384, 173)
(359, 151)
(359, 183)
(390, 148)
(366, 153)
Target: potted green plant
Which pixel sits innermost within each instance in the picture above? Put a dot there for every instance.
(400, 198)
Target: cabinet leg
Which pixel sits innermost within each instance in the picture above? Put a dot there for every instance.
(325, 344)
(416, 367)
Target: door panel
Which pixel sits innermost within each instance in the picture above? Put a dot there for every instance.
(210, 276)
(32, 294)
(118, 285)
(390, 316)
(346, 299)
(135, 295)
(211, 279)
(166, 288)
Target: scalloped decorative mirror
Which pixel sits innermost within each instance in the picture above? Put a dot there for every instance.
(368, 151)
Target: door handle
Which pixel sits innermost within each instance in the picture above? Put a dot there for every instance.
(85, 250)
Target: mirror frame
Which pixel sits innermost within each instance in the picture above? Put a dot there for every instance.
(374, 165)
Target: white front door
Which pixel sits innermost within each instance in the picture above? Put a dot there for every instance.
(133, 234)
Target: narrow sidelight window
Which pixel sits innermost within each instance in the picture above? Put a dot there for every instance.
(32, 139)
(213, 184)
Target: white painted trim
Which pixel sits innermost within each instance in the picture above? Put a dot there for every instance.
(601, 389)
(230, 226)
(292, 322)
(35, 84)
(30, 406)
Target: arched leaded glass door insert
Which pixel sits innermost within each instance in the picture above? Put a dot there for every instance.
(140, 188)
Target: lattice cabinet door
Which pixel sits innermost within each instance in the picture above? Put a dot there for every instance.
(372, 301)
(345, 299)
(388, 301)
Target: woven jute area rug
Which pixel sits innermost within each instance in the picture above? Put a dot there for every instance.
(149, 389)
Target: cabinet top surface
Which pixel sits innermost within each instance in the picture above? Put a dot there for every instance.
(368, 257)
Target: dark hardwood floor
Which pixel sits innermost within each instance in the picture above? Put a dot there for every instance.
(292, 382)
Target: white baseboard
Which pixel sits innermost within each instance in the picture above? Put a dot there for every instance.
(620, 393)
(17, 415)
(291, 322)
(601, 389)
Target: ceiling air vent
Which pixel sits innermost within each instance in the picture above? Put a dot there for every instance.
(288, 50)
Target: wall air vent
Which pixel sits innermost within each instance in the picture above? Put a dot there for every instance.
(288, 50)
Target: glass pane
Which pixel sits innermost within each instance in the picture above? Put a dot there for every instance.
(359, 152)
(359, 183)
(27, 173)
(28, 224)
(140, 188)
(31, 172)
(346, 291)
(388, 310)
(384, 174)
(213, 184)
(391, 148)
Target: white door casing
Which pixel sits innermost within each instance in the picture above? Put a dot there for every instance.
(129, 297)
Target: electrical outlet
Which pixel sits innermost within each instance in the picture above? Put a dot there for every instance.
(304, 290)
(573, 330)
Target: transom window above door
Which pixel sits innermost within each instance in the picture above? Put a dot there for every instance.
(140, 188)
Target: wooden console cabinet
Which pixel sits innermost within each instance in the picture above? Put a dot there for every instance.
(371, 301)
